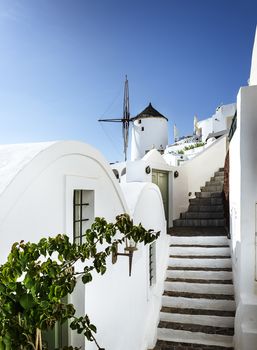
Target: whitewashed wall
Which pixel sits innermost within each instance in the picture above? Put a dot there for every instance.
(207, 127)
(145, 205)
(235, 206)
(39, 202)
(180, 192)
(243, 199)
(127, 312)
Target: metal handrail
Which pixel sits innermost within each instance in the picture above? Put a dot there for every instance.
(233, 127)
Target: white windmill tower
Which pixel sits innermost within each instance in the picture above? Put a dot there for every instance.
(149, 130)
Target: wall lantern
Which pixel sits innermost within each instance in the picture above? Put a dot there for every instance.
(129, 249)
(148, 170)
(176, 173)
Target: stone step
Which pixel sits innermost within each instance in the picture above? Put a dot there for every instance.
(199, 268)
(205, 208)
(199, 240)
(199, 288)
(206, 201)
(198, 303)
(194, 337)
(221, 169)
(219, 173)
(170, 345)
(199, 311)
(197, 231)
(192, 327)
(209, 194)
(206, 320)
(200, 275)
(214, 183)
(202, 215)
(211, 188)
(217, 179)
(202, 263)
(199, 222)
(198, 280)
(191, 250)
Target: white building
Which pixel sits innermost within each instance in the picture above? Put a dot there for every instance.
(39, 186)
(219, 123)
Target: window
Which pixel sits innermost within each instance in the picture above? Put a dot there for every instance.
(124, 171)
(152, 263)
(83, 213)
(139, 121)
(142, 128)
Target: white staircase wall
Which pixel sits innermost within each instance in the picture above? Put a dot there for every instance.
(195, 172)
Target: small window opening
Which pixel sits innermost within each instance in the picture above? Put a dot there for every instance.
(152, 263)
(83, 213)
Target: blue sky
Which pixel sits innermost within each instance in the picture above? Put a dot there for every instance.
(63, 63)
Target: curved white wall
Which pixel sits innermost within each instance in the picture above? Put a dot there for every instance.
(146, 206)
(38, 203)
(153, 135)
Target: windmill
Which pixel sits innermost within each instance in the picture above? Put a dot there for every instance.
(125, 120)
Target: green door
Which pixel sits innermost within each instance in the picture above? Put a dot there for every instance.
(161, 179)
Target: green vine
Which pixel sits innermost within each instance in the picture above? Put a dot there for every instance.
(38, 276)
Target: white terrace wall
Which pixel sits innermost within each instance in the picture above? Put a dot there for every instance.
(243, 199)
(195, 172)
(39, 202)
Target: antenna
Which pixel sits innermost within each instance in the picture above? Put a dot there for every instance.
(125, 120)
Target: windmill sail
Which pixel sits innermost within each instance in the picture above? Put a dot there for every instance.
(125, 120)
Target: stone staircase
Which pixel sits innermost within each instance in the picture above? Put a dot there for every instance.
(206, 209)
(198, 305)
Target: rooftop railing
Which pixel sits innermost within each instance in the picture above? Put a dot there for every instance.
(233, 127)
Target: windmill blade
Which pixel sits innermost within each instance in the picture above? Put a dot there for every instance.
(114, 120)
(126, 117)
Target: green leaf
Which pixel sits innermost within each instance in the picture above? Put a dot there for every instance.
(27, 301)
(86, 278)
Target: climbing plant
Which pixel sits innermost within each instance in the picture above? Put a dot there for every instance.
(37, 277)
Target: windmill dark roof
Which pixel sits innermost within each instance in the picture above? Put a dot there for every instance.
(149, 112)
